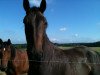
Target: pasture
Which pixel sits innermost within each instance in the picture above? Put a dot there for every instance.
(93, 48)
(3, 73)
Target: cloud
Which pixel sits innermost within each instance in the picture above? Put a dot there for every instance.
(54, 40)
(76, 35)
(35, 2)
(73, 39)
(63, 29)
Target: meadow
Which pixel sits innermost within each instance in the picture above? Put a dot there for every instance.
(92, 48)
(95, 48)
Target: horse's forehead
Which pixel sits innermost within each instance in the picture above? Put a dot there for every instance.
(5, 44)
(29, 17)
(34, 17)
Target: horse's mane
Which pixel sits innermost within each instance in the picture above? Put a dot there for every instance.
(13, 52)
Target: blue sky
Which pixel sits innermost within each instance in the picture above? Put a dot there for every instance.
(68, 20)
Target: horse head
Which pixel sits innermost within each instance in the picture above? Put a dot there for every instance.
(35, 24)
(6, 52)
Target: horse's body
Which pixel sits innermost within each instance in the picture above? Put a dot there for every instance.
(13, 61)
(47, 59)
(70, 62)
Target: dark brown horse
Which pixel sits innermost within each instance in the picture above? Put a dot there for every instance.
(13, 61)
(93, 58)
(47, 59)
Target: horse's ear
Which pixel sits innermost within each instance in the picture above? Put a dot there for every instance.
(43, 6)
(26, 6)
(1, 41)
(9, 41)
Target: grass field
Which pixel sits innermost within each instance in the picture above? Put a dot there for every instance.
(93, 48)
(2, 73)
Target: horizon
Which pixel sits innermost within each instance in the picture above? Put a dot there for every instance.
(69, 21)
(64, 43)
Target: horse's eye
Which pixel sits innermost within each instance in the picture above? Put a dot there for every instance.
(4, 49)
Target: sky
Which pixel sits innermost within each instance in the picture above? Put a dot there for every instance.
(69, 21)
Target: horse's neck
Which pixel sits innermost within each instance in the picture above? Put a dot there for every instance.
(49, 49)
(47, 44)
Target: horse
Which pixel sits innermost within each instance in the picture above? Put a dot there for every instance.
(94, 59)
(13, 61)
(0, 50)
(46, 58)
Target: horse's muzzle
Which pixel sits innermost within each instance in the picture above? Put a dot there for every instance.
(3, 69)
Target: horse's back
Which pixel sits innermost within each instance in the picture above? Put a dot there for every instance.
(66, 62)
(77, 60)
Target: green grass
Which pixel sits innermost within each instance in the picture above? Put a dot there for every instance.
(64, 47)
(2, 73)
(95, 48)
(92, 48)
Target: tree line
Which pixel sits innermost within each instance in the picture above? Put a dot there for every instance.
(95, 44)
